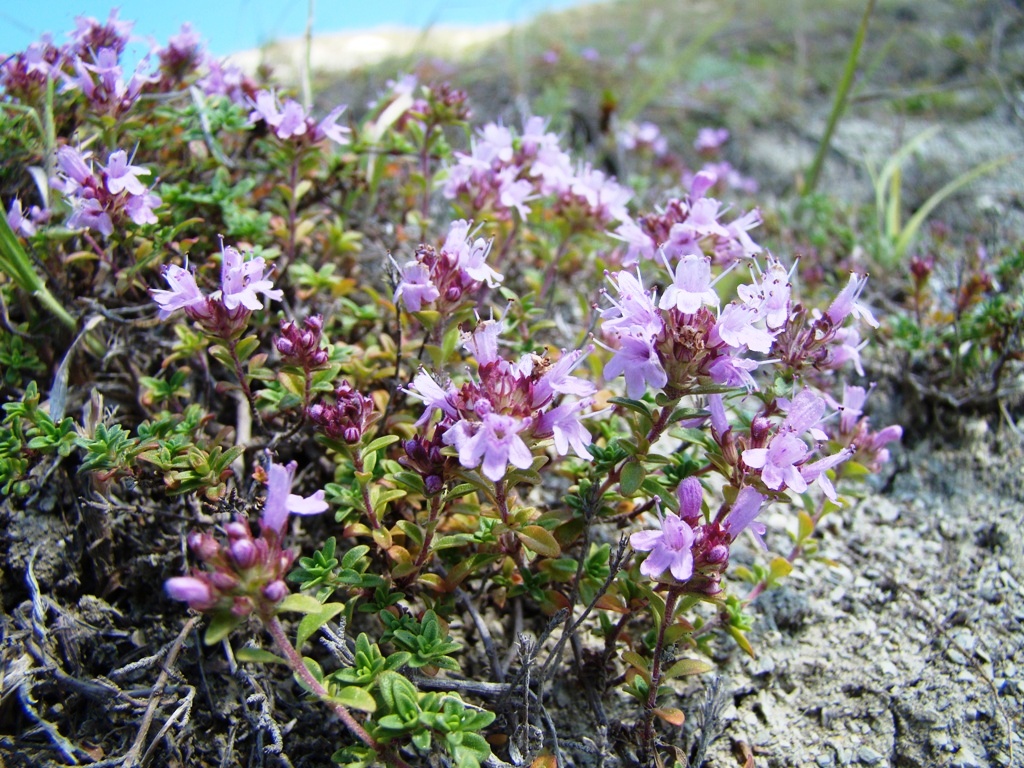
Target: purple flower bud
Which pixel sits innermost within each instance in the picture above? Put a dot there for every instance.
(242, 606)
(243, 552)
(223, 581)
(284, 346)
(434, 484)
(320, 357)
(414, 450)
(236, 530)
(315, 323)
(717, 554)
(275, 591)
(690, 494)
(759, 429)
(196, 592)
(453, 294)
(352, 435)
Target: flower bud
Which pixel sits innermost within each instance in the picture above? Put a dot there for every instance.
(236, 530)
(275, 591)
(196, 592)
(223, 581)
(203, 546)
(759, 429)
(284, 346)
(242, 606)
(243, 552)
(434, 484)
(717, 554)
(453, 294)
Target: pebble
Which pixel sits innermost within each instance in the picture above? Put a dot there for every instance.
(868, 756)
(824, 760)
(964, 758)
(955, 656)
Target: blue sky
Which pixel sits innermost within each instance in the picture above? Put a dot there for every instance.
(232, 25)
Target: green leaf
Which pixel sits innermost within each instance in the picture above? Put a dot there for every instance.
(805, 526)
(381, 442)
(220, 627)
(637, 406)
(539, 540)
(258, 655)
(311, 622)
(779, 568)
(354, 697)
(245, 347)
(685, 667)
(299, 603)
(631, 477)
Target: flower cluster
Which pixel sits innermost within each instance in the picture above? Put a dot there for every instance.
(90, 63)
(694, 551)
(24, 222)
(494, 420)
(347, 418)
(855, 431)
(503, 172)
(782, 456)
(247, 572)
(103, 197)
(300, 346)
(289, 120)
(224, 313)
(442, 280)
(690, 227)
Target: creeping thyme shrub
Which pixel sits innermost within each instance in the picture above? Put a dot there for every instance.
(498, 383)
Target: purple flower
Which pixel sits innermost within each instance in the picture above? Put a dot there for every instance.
(140, 208)
(691, 285)
(563, 423)
(638, 360)
(846, 303)
(669, 548)
(495, 441)
(415, 288)
(292, 121)
(18, 222)
(770, 298)
(556, 379)
(281, 501)
(121, 176)
(804, 413)
(241, 280)
(818, 471)
(744, 509)
(635, 312)
(88, 213)
(736, 328)
(710, 139)
(778, 462)
(184, 293)
(433, 395)
(328, 128)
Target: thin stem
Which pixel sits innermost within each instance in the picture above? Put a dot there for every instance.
(357, 461)
(435, 511)
(298, 666)
(662, 423)
(233, 351)
(659, 648)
